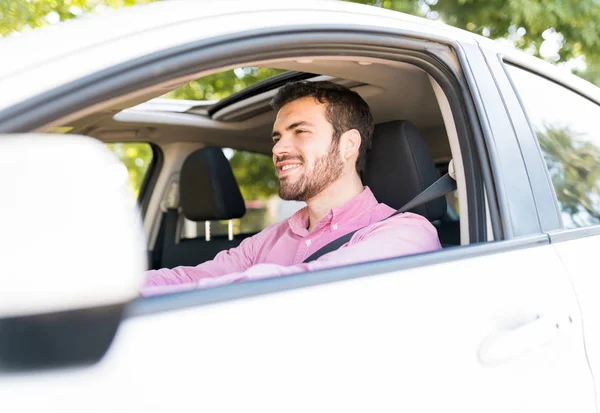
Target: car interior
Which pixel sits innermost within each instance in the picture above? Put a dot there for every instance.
(191, 185)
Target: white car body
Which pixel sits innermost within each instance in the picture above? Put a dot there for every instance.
(511, 325)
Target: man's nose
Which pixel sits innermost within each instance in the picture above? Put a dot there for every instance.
(282, 147)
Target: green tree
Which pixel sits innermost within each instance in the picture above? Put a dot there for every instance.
(137, 158)
(222, 84)
(19, 15)
(574, 24)
(255, 174)
(575, 173)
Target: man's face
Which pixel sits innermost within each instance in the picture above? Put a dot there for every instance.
(306, 156)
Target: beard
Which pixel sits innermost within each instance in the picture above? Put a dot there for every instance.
(327, 169)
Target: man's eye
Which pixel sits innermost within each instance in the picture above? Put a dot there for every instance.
(275, 140)
(299, 131)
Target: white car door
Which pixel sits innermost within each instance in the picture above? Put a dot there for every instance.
(563, 113)
(497, 332)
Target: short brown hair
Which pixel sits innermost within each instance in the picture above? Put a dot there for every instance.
(345, 110)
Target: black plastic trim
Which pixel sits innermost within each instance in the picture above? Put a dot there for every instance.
(57, 339)
(176, 301)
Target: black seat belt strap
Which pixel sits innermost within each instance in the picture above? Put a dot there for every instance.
(439, 188)
(332, 246)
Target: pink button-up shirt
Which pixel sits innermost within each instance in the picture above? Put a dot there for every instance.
(281, 248)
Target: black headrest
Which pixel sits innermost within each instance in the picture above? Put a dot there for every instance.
(208, 190)
(399, 167)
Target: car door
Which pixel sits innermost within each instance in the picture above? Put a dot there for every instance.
(562, 114)
(492, 327)
(488, 327)
(485, 328)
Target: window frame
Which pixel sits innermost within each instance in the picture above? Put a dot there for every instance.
(430, 53)
(513, 203)
(427, 51)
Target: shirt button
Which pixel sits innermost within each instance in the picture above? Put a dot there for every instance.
(307, 242)
(334, 227)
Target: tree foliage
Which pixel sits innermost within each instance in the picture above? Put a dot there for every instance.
(220, 85)
(575, 172)
(574, 25)
(255, 174)
(137, 158)
(19, 15)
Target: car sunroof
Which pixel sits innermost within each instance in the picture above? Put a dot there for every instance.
(223, 84)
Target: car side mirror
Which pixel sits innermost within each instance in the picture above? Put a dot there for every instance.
(72, 250)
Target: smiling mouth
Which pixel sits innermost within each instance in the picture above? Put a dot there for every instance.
(285, 169)
(290, 166)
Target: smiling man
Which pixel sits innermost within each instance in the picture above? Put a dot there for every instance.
(321, 137)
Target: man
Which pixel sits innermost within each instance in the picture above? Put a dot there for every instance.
(321, 137)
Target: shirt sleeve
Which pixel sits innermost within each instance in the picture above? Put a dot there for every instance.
(404, 234)
(230, 261)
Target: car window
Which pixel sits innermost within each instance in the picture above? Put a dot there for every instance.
(257, 179)
(565, 124)
(137, 158)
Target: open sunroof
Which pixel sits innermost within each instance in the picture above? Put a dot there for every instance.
(260, 87)
(221, 85)
(225, 88)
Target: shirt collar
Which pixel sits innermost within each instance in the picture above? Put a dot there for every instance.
(351, 210)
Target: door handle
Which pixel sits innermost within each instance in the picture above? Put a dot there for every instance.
(506, 344)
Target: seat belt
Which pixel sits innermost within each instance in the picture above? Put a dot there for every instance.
(439, 188)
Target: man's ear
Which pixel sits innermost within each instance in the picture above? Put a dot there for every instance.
(350, 144)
